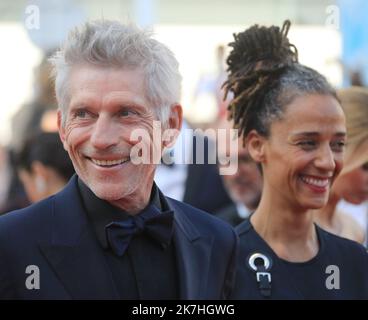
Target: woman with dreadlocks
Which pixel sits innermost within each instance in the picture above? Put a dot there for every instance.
(294, 128)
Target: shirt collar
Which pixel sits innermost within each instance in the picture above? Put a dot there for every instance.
(100, 212)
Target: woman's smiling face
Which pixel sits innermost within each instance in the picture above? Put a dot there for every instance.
(304, 152)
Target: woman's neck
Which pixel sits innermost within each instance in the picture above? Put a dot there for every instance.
(290, 232)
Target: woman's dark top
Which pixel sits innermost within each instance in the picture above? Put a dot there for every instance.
(338, 271)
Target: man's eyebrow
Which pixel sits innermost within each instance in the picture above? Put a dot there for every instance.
(81, 103)
(123, 105)
(78, 105)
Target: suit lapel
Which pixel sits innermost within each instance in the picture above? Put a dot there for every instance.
(73, 252)
(193, 252)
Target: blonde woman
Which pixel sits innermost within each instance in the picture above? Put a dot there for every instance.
(352, 183)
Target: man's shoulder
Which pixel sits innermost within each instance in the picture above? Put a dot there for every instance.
(27, 217)
(27, 212)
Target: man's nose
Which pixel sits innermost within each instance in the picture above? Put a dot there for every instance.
(105, 133)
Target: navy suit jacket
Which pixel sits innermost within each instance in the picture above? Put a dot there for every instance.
(55, 236)
(204, 188)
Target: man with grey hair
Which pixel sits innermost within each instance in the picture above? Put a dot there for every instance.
(111, 233)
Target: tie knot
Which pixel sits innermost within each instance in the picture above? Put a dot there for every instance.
(139, 223)
(150, 221)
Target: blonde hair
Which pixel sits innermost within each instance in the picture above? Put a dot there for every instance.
(354, 101)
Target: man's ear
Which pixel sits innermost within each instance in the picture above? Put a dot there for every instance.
(61, 129)
(173, 127)
(256, 146)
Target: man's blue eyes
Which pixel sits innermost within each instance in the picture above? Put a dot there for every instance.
(80, 113)
(123, 113)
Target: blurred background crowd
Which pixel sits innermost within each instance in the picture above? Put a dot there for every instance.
(332, 37)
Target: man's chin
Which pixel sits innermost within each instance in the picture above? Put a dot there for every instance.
(107, 193)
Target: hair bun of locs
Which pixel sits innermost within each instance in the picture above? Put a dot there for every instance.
(258, 56)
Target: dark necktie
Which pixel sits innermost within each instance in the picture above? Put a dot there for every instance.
(150, 221)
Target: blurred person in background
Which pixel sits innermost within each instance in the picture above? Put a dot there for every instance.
(35, 116)
(244, 187)
(12, 193)
(187, 180)
(352, 183)
(44, 167)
